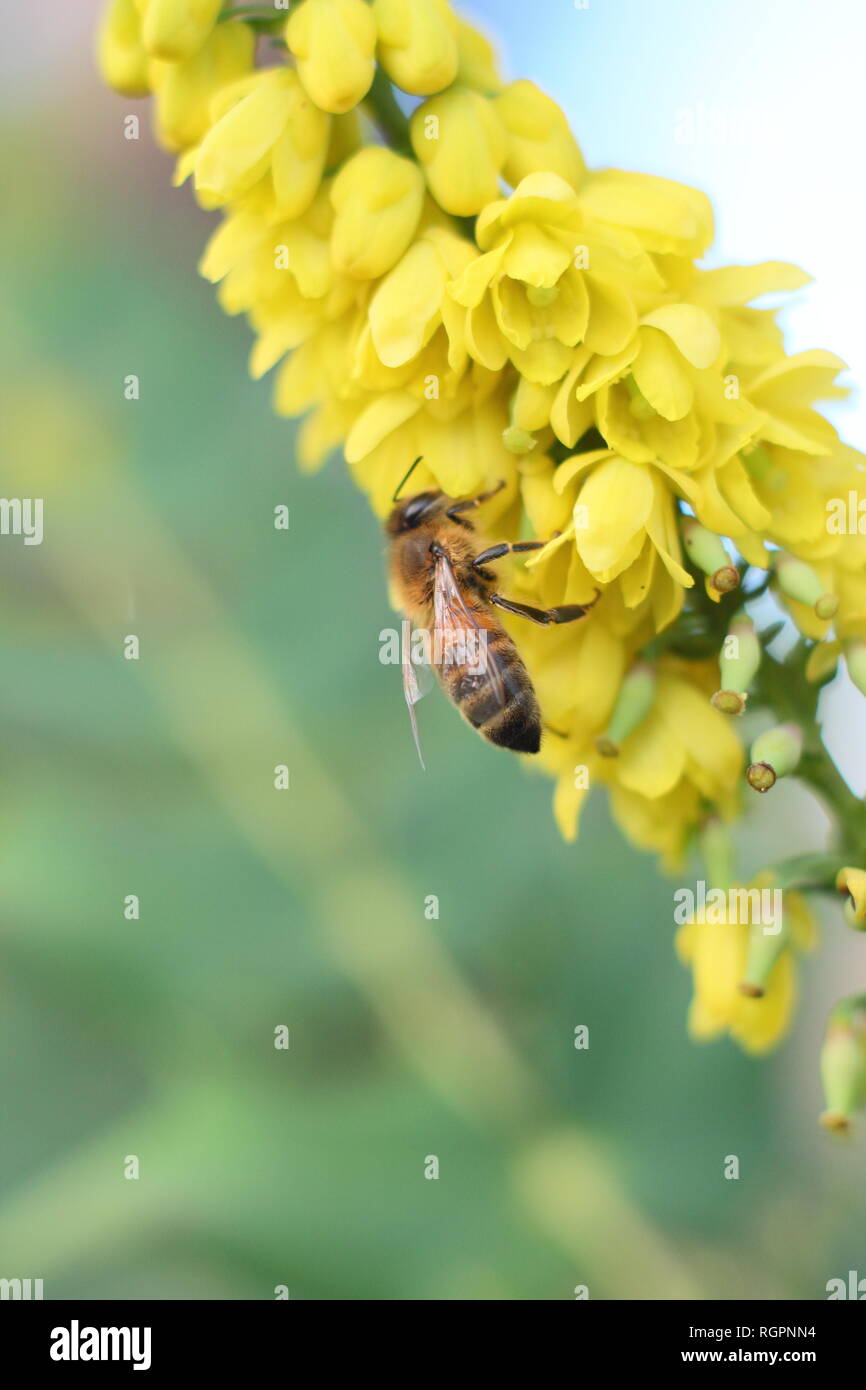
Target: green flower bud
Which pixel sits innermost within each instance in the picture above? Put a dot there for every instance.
(738, 665)
(843, 1063)
(774, 754)
(764, 950)
(717, 852)
(633, 704)
(800, 582)
(855, 660)
(518, 441)
(705, 550)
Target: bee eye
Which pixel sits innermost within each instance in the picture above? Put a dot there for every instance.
(415, 508)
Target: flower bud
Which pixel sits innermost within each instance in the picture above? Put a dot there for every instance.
(418, 45)
(855, 660)
(184, 90)
(518, 441)
(300, 154)
(236, 151)
(378, 197)
(176, 29)
(334, 42)
(853, 882)
(705, 550)
(633, 704)
(800, 582)
(478, 65)
(121, 55)
(843, 1063)
(717, 851)
(738, 665)
(764, 949)
(459, 142)
(774, 754)
(538, 136)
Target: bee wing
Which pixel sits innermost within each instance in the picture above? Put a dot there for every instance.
(454, 622)
(412, 691)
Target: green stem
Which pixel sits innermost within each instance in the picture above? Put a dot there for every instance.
(262, 16)
(784, 690)
(385, 111)
(809, 871)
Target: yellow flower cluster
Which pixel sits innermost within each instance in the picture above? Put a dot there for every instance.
(745, 978)
(644, 417)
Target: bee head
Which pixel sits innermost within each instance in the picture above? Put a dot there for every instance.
(410, 514)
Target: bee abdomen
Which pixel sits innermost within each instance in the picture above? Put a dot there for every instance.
(504, 711)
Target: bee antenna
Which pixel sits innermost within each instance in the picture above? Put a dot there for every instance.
(406, 478)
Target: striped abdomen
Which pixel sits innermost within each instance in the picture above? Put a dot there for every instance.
(490, 686)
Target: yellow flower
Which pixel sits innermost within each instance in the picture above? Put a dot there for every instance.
(643, 417)
(478, 65)
(176, 29)
(669, 218)
(183, 91)
(270, 128)
(718, 953)
(334, 42)
(281, 276)
(460, 440)
(538, 136)
(459, 142)
(853, 882)
(547, 281)
(377, 197)
(123, 59)
(413, 334)
(749, 336)
(623, 528)
(418, 46)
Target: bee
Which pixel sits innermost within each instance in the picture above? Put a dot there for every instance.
(445, 588)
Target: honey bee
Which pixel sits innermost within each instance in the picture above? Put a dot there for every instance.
(445, 588)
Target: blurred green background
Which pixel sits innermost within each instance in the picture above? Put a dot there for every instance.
(305, 908)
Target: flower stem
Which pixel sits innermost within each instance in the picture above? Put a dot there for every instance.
(259, 15)
(785, 690)
(385, 111)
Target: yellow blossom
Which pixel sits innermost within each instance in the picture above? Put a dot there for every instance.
(633, 412)
(176, 29)
(272, 128)
(123, 59)
(853, 882)
(418, 43)
(717, 952)
(538, 136)
(547, 281)
(460, 144)
(377, 197)
(334, 42)
(478, 65)
(183, 90)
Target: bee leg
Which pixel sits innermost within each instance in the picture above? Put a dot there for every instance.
(496, 552)
(469, 503)
(567, 613)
